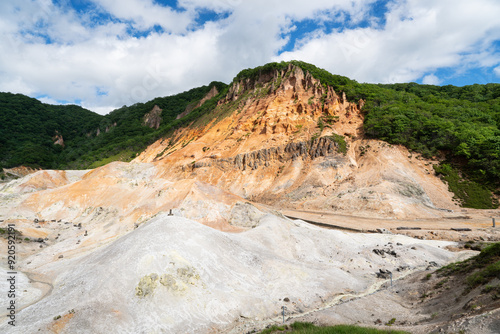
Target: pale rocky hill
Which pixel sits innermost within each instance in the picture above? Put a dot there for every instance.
(173, 275)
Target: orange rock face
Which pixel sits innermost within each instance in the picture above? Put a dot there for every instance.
(58, 140)
(285, 139)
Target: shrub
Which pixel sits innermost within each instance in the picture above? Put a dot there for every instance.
(342, 145)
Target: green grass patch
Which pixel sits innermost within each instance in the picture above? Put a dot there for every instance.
(329, 119)
(453, 268)
(321, 125)
(5, 231)
(479, 270)
(471, 194)
(122, 156)
(488, 256)
(302, 325)
(485, 275)
(308, 328)
(491, 288)
(391, 322)
(441, 283)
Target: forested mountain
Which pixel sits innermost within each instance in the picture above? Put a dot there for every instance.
(30, 130)
(460, 124)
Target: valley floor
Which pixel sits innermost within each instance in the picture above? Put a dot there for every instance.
(99, 252)
(412, 301)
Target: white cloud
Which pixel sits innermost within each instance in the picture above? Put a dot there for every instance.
(419, 37)
(497, 71)
(86, 59)
(47, 100)
(146, 14)
(431, 79)
(216, 5)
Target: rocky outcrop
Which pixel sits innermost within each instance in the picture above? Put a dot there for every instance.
(293, 78)
(213, 92)
(98, 131)
(279, 104)
(153, 118)
(58, 139)
(320, 147)
(246, 215)
(285, 139)
(18, 172)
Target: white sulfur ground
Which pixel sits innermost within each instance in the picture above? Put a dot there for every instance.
(174, 275)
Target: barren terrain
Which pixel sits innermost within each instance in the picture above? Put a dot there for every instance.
(275, 198)
(131, 268)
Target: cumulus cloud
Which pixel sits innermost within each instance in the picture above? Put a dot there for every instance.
(146, 14)
(119, 53)
(431, 79)
(418, 37)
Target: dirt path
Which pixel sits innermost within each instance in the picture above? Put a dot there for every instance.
(377, 286)
(367, 224)
(45, 287)
(468, 224)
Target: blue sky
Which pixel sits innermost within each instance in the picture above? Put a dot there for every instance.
(103, 54)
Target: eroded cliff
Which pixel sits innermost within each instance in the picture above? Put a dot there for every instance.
(285, 139)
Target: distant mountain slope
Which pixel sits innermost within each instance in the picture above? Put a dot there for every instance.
(29, 129)
(127, 131)
(49, 136)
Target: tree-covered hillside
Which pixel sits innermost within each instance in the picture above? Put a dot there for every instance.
(28, 130)
(461, 122)
(127, 135)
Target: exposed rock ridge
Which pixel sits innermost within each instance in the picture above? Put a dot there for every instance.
(294, 78)
(153, 118)
(213, 92)
(320, 147)
(286, 105)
